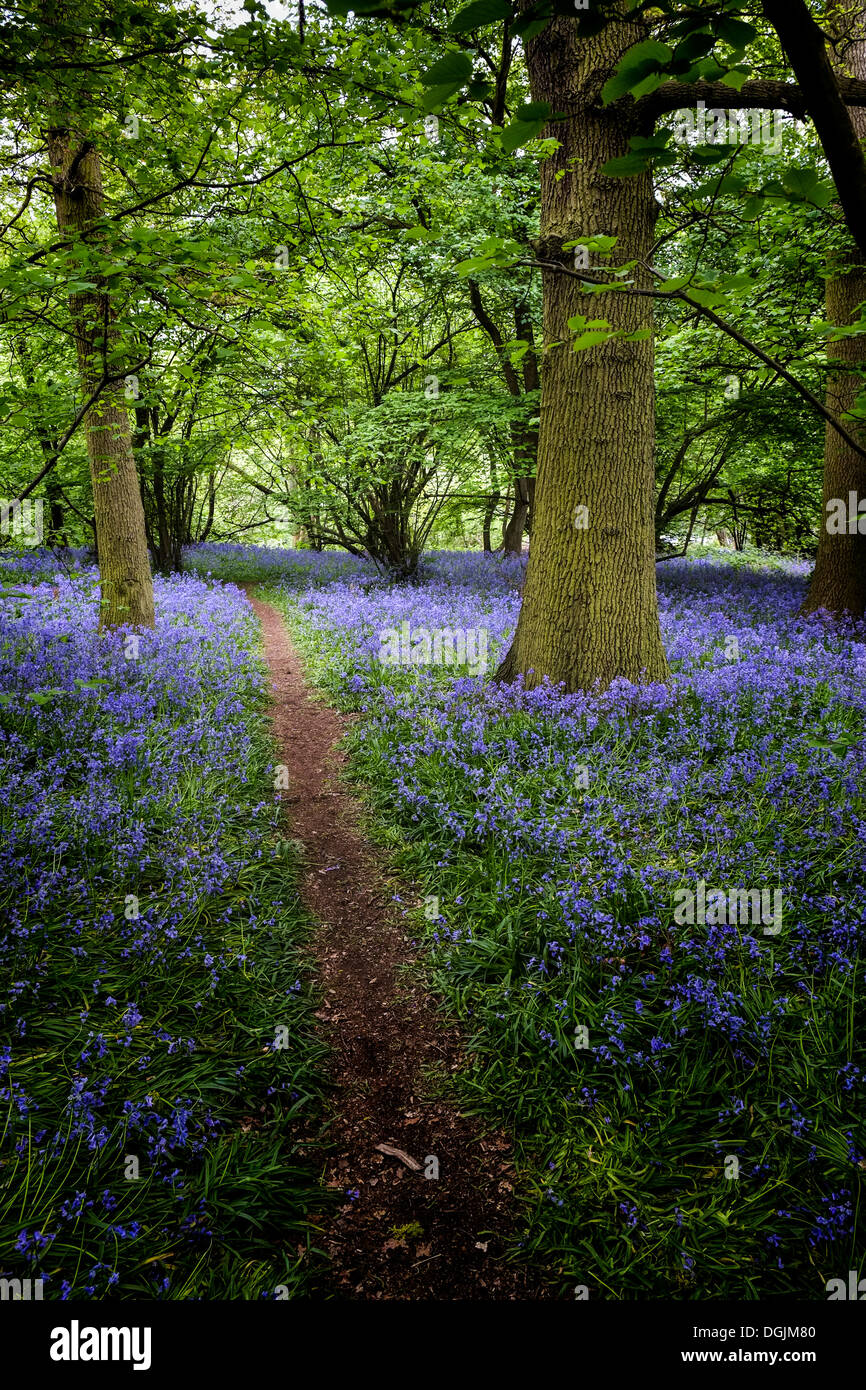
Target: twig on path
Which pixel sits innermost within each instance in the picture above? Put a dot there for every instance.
(401, 1154)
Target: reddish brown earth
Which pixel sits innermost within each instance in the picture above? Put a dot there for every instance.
(384, 1031)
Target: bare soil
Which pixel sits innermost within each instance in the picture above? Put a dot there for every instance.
(405, 1235)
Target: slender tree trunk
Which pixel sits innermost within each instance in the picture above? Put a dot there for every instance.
(490, 509)
(508, 510)
(839, 578)
(512, 536)
(56, 530)
(55, 534)
(524, 437)
(211, 499)
(525, 449)
(487, 522)
(590, 611)
(124, 566)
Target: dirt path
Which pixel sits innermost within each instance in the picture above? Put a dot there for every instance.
(384, 1031)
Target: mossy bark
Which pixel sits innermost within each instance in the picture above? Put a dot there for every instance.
(124, 564)
(839, 579)
(590, 611)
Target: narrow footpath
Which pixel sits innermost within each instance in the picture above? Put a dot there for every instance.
(399, 1232)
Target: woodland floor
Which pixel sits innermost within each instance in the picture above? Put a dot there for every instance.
(388, 1039)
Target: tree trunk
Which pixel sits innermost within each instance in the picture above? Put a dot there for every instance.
(211, 500)
(590, 611)
(524, 437)
(801, 35)
(512, 536)
(124, 566)
(490, 509)
(487, 522)
(56, 533)
(839, 578)
(525, 441)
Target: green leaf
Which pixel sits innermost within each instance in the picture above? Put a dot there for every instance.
(643, 150)
(711, 154)
(715, 187)
(464, 268)
(590, 332)
(641, 61)
(591, 338)
(709, 69)
(479, 89)
(800, 181)
(649, 49)
(627, 164)
(43, 697)
(451, 71)
(601, 244)
(517, 350)
(807, 184)
(708, 299)
(735, 78)
(648, 84)
(479, 13)
(737, 32)
(533, 111)
(609, 287)
(527, 26)
(519, 133)
(696, 45)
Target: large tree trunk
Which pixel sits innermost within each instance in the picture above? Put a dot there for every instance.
(124, 566)
(839, 578)
(590, 611)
